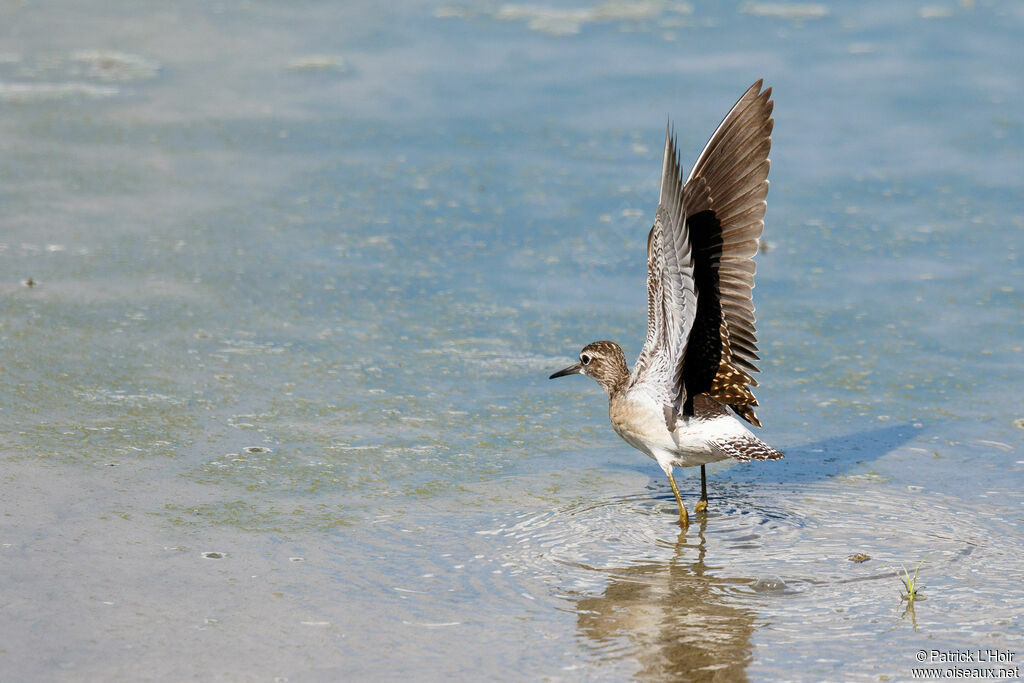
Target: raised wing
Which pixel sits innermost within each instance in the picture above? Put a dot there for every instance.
(726, 193)
(671, 293)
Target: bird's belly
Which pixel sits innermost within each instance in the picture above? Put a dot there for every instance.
(637, 441)
(693, 446)
(695, 438)
(641, 424)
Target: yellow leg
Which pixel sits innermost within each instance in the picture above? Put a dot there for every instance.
(684, 519)
(702, 504)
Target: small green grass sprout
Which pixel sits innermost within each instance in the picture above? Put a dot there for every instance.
(910, 584)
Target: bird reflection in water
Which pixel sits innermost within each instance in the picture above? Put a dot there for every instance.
(675, 618)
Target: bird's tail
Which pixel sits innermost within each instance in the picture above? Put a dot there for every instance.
(746, 448)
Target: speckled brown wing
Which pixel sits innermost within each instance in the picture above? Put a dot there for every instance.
(726, 193)
(671, 297)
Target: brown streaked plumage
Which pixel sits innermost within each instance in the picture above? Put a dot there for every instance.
(701, 349)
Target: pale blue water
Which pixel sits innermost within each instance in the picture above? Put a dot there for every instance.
(301, 272)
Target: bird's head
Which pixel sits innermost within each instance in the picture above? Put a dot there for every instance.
(602, 360)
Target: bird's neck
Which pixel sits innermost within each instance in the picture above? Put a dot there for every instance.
(616, 381)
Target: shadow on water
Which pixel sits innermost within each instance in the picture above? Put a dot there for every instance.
(830, 457)
(675, 618)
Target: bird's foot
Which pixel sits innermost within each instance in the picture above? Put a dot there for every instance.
(701, 506)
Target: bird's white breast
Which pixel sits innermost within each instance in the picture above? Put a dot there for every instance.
(640, 420)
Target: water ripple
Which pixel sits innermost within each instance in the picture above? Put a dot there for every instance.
(766, 556)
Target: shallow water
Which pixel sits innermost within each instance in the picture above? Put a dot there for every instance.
(276, 406)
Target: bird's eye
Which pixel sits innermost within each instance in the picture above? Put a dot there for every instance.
(585, 359)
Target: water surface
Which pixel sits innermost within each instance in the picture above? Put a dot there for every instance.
(276, 403)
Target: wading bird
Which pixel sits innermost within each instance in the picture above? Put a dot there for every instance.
(694, 372)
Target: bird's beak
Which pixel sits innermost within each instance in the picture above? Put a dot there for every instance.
(571, 370)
